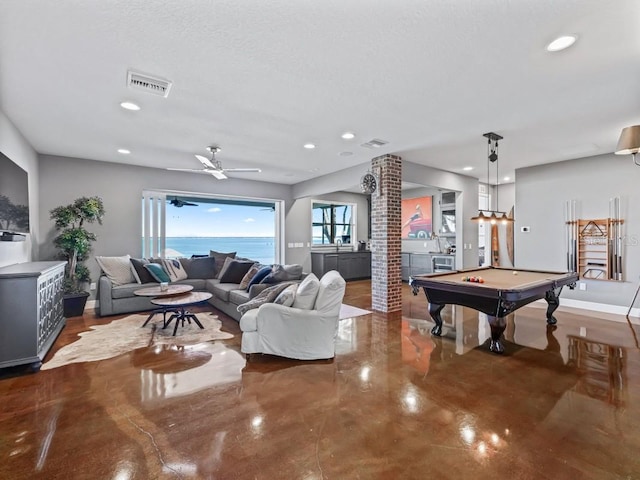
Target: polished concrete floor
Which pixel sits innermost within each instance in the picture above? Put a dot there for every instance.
(395, 403)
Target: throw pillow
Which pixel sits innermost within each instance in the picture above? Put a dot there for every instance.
(140, 273)
(199, 267)
(244, 283)
(258, 277)
(157, 272)
(268, 295)
(220, 258)
(307, 292)
(174, 269)
(283, 273)
(117, 269)
(287, 296)
(234, 270)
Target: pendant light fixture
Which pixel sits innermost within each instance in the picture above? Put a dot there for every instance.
(492, 216)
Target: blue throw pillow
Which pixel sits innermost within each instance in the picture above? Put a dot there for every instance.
(258, 277)
(157, 272)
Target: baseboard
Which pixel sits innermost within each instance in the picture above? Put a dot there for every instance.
(595, 307)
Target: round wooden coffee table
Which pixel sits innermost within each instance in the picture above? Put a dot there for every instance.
(177, 303)
(171, 290)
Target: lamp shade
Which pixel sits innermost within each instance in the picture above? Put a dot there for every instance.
(629, 142)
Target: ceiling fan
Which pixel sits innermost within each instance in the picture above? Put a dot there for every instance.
(212, 166)
(179, 203)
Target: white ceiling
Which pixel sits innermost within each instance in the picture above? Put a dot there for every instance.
(262, 78)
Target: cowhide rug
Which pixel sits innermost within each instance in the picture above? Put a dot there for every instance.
(122, 336)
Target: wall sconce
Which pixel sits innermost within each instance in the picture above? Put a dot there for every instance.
(629, 142)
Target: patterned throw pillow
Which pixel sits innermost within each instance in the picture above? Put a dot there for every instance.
(157, 272)
(174, 269)
(199, 267)
(268, 295)
(244, 283)
(287, 296)
(117, 269)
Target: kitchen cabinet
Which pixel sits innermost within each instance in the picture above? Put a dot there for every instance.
(425, 263)
(31, 311)
(351, 265)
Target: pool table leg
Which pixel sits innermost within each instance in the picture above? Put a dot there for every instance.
(497, 325)
(553, 302)
(434, 311)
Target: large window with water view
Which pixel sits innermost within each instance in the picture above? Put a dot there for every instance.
(195, 225)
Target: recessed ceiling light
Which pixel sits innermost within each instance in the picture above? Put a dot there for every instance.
(506, 179)
(561, 43)
(129, 106)
(124, 151)
(309, 146)
(348, 135)
(467, 169)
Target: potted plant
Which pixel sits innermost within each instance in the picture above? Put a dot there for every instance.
(74, 243)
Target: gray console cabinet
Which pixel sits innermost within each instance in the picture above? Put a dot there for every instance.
(31, 311)
(351, 265)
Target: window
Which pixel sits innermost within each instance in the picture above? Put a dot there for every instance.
(332, 223)
(185, 224)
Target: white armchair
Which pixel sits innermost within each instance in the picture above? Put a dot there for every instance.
(295, 332)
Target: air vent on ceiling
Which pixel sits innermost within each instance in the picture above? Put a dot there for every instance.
(149, 84)
(375, 143)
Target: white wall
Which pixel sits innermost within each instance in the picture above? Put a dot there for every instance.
(541, 193)
(18, 149)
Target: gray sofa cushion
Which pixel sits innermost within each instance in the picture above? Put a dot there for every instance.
(220, 258)
(221, 290)
(143, 274)
(238, 297)
(234, 271)
(203, 267)
(126, 290)
(283, 273)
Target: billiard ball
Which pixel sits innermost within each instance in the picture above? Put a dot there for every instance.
(515, 273)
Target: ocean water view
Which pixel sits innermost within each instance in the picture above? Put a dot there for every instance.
(261, 249)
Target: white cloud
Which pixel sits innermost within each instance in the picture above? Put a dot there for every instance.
(248, 220)
(214, 209)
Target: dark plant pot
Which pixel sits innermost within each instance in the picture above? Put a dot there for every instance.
(74, 304)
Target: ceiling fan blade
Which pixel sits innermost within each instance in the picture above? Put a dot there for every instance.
(192, 170)
(242, 170)
(205, 161)
(219, 174)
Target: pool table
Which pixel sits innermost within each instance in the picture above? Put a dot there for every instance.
(503, 291)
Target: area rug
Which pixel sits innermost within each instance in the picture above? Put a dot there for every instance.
(122, 336)
(347, 311)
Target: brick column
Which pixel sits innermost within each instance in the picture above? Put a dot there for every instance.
(386, 229)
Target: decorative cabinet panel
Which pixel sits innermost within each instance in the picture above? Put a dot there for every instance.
(351, 265)
(31, 311)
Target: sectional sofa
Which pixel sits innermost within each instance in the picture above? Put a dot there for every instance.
(115, 299)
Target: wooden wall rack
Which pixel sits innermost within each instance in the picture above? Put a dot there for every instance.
(599, 249)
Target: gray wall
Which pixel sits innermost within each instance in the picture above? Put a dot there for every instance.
(299, 222)
(63, 179)
(16, 147)
(541, 193)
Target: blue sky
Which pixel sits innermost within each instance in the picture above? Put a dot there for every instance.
(219, 220)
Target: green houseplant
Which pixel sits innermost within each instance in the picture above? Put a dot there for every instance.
(74, 243)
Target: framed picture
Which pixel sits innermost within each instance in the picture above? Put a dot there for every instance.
(417, 218)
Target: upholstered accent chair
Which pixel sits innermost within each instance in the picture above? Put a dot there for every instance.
(304, 331)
